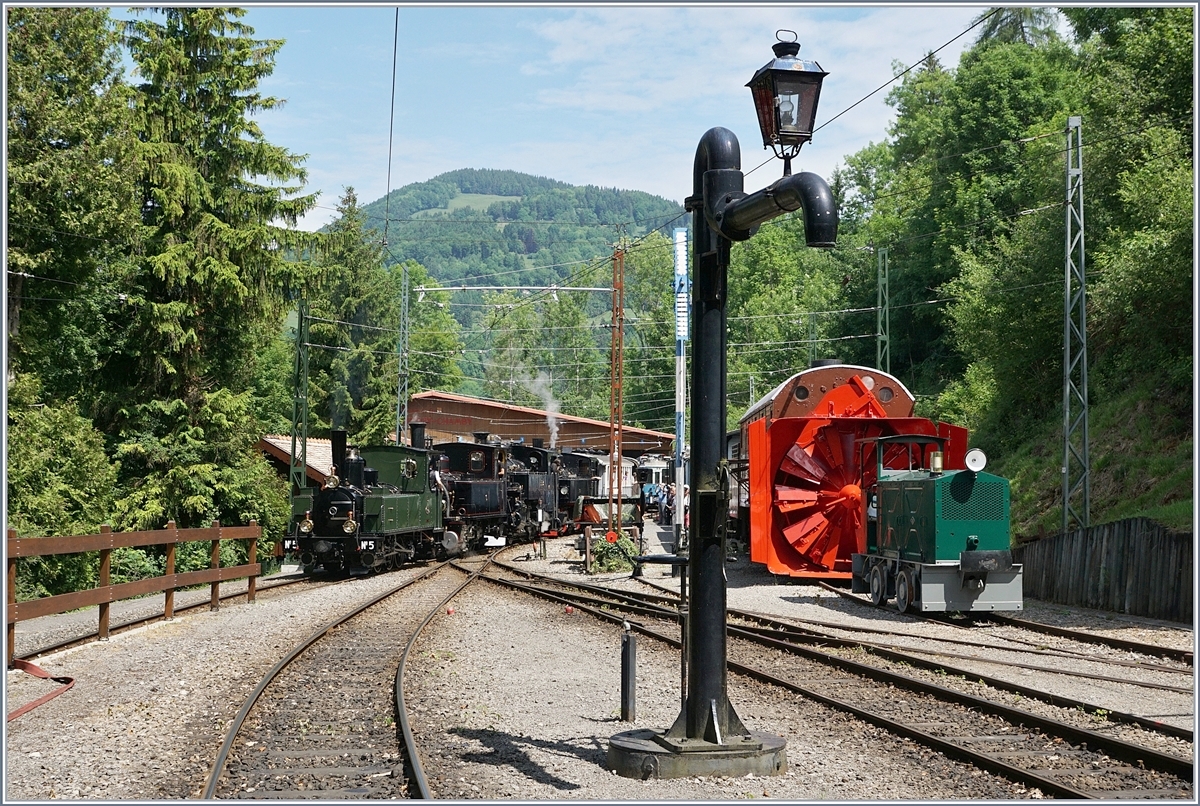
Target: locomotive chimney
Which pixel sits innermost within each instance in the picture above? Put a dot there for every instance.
(480, 437)
(417, 430)
(337, 440)
(538, 442)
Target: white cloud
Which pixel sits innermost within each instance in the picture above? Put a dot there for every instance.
(612, 96)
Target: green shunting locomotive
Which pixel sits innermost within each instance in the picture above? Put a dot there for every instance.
(937, 540)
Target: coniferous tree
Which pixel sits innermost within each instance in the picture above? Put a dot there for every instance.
(217, 204)
(70, 160)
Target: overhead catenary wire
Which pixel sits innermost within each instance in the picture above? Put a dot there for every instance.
(892, 80)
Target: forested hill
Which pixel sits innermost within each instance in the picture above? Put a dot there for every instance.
(481, 226)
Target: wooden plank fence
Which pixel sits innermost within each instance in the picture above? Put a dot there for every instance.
(1133, 566)
(104, 593)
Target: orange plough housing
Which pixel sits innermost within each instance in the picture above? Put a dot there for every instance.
(811, 466)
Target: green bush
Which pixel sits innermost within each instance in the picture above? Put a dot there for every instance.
(611, 557)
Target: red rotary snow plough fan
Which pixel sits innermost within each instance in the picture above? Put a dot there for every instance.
(811, 464)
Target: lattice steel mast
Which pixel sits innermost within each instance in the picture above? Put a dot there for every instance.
(883, 313)
(1076, 484)
(298, 462)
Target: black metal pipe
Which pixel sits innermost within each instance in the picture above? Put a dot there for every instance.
(722, 213)
(707, 711)
(740, 216)
(628, 675)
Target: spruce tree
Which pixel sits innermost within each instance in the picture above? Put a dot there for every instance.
(218, 202)
(71, 159)
(218, 208)
(356, 320)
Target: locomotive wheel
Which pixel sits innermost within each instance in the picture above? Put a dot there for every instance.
(878, 585)
(905, 590)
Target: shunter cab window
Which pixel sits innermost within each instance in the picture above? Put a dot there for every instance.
(475, 461)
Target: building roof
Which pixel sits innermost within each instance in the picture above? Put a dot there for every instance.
(318, 454)
(500, 404)
(449, 415)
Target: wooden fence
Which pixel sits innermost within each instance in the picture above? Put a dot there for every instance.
(104, 593)
(1132, 566)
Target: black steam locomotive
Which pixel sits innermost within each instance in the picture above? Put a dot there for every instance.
(389, 505)
(375, 511)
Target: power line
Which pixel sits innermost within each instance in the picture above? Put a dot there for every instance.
(909, 69)
(391, 127)
(892, 80)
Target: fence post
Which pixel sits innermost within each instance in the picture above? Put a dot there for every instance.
(169, 605)
(251, 584)
(105, 565)
(215, 562)
(12, 605)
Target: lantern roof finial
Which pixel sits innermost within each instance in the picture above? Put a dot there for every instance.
(785, 47)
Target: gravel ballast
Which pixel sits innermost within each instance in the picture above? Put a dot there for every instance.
(515, 698)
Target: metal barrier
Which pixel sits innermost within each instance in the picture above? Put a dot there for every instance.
(104, 593)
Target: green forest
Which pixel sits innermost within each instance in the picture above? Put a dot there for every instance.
(155, 273)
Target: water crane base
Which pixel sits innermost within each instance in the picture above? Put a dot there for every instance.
(647, 753)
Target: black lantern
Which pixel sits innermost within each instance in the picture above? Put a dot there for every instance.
(785, 93)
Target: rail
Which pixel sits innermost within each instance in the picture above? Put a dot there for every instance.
(105, 593)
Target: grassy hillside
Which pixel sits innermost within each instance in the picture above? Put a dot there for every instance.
(487, 227)
(1141, 465)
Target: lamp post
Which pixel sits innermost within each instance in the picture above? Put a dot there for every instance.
(707, 737)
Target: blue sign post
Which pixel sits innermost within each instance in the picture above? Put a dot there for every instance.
(682, 301)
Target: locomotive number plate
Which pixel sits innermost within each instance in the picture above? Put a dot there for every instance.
(366, 545)
(291, 544)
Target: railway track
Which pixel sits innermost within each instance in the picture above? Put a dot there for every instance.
(1082, 636)
(1057, 757)
(328, 721)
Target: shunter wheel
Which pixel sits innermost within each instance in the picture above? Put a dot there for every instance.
(905, 590)
(878, 586)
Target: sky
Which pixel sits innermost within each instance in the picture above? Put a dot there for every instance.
(615, 96)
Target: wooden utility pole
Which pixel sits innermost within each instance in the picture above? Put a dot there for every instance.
(616, 398)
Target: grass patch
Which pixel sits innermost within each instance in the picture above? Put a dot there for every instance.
(474, 201)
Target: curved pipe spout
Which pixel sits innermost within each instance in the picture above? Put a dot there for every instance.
(718, 150)
(740, 217)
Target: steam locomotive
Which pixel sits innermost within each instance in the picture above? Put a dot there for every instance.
(375, 511)
(383, 506)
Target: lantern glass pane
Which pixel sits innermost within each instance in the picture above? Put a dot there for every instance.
(796, 105)
(764, 105)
